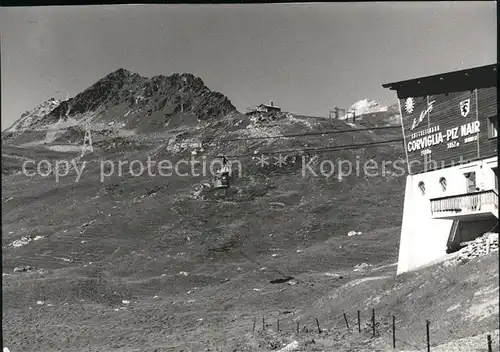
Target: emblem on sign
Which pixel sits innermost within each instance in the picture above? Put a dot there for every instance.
(409, 105)
(465, 107)
(423, 114)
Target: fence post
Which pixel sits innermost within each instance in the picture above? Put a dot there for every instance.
(393, 332)
(490, 349)
(346, 322)
(317, 323)
(297, 327)
(278, 325)
(359, 322)
(253, 328)
(427, 323)
(373, 321)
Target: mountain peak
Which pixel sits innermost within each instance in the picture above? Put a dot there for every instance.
(120, 73)
(366, 106)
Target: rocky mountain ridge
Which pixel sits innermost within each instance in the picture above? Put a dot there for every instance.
(31, 117)
(125, 97)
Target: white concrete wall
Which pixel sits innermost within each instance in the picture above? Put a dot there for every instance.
(406, 229)
(423, 239)
(456, 182)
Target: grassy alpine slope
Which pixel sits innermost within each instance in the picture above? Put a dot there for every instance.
(158, 263)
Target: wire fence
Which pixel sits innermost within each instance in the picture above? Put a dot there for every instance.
(384, 331)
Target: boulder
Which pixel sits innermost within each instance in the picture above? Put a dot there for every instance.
(476, 248)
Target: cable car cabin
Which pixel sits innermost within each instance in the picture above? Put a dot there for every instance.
(221, 179)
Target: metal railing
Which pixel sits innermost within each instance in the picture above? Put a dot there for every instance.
(464, 202)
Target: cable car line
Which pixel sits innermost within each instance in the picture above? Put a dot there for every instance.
(211, 140)
(321, 149)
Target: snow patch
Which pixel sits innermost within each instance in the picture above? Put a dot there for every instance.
(365, 279)
(452, 308)
(363, 106)
(65, 148)
(367, 106)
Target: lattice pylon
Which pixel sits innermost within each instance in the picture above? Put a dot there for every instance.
(87, 141)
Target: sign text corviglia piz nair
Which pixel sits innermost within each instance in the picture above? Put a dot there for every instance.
(433, 136)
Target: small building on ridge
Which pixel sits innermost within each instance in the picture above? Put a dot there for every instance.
(263, 108)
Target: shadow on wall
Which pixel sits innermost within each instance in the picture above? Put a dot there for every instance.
(463, 231)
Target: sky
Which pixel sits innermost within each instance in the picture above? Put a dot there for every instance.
(306, 58)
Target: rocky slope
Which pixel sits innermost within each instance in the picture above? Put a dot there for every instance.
(33, 117)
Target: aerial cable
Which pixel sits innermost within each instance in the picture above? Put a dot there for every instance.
(211, 140)
(320, 149)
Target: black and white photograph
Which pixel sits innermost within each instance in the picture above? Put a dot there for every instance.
(250, 177)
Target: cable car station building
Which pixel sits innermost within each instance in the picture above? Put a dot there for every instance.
(449, 123)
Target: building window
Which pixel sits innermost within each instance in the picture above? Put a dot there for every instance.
(493, 126)
(421, 185)
(442, 182)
